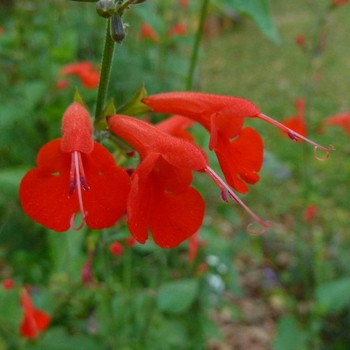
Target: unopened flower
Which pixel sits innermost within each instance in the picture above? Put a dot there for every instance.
(310, 212)
(85, 71)
(75, 174)
(161, 198)
(34, 320)
(8, 283)
(147, 32)
(300, 40)
(131, 241)
(116, 248)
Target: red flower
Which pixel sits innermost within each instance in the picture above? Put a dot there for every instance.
(34, 320)
(131, 241)
(193, 245)
(239, 151)
(74, 174)
(310, 212)
(184, 3)
(300, 40)
(161, 198)
(297, 123)
(8, 283)
(341, 119)
(147, 32)
(177, 29)
(339, 2)
(116, 248)
(85, 71)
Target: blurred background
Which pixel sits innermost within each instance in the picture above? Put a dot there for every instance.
(224, 289)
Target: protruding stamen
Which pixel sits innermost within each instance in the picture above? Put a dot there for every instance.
(330, 148)
(72, 219)
(78, 180)
(225, 189)
(295, 136)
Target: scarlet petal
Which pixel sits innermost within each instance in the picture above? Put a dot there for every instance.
(176, 216)
(241, 159)
(109, 184)
(44, 191)
(34, 320)
(172, 217)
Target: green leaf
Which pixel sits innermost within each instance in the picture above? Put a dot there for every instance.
(135, 106)
(289, 336)
(10, 179)
(257, 10)
(177, 296)
(333, 295)
(11, 311)
(57, 339)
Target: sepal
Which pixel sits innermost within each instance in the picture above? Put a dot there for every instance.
(105, 8)
(135, 106)
(100, 122)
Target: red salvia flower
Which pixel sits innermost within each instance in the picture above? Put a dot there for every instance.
(300, 40)
(184, 3)
(239, 151)
(341, 119)
(34, 320)
(116, 248)
(147, 32)
(177, 29)
(310, 212)
(297, 123)
(74, 174)
(85, 71)
(223, 117)
(336, 3)
(161, 198)
(8, 283)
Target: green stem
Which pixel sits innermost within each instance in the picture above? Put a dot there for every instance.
(194, 58)
(107, 59)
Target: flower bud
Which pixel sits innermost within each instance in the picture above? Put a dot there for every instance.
(105, 8)
(117, 28)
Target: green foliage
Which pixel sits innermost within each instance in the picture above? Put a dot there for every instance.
(176, 297)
